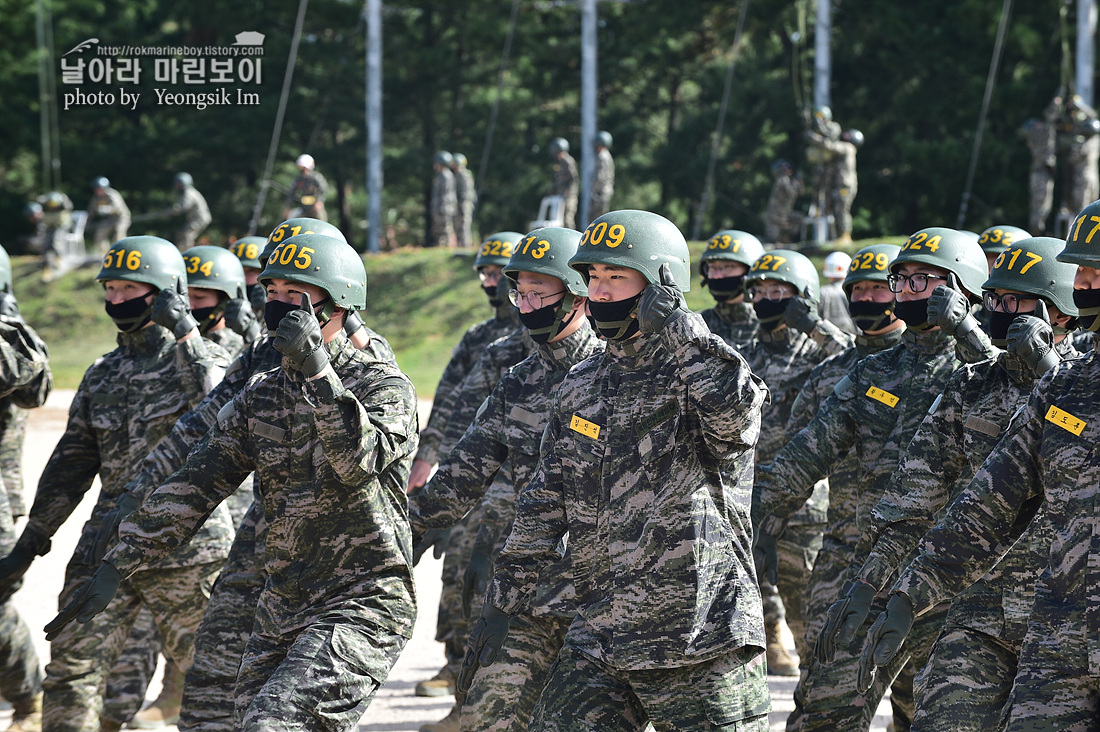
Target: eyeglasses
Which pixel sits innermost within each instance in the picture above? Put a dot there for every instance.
(1006, 303)
(917, 282)
(775, 292)
(493, 275)
(534, 300)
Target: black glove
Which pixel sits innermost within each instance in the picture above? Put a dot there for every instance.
(436, 538)
(661, 304)
(172, 309)
(766, 556)
(89, 600)
(241, 319)
(352, 323)
(1032, 339)
(801, 314)
(257, 298)
(948, 306)
(9, 308)
(485, 641)
(885, 638)
(12, 569)
(845, 617)
(476, 579)
(299, 338)
(126, 504)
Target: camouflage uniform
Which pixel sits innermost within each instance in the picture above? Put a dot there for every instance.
(842, 182)
(565, 185)
(958, 691)
(1044, 460)
(634, 466)
(1041, 141)
(241, 499)
(733, 322)
(833, 306)
(128, 400)
(231, 611)
(781, 224)
(444, 204)
(603, 185)
(841, 532)
(465, 200)
(337, 609)
(113, 218)
(783, 359)
(196, 217)
(26, 382)
(509, 427)
(307, 193)
(872, 413)
(1082, 147)
(13, 432)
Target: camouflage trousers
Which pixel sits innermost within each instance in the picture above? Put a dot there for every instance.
(442, 232)
(208, 697)
(840, 206)
(20, 675)
(597, 207)
(133, 671)
(187, 234)
(569, 211)
(321, 678)
(965, 684)
(797, 550)
(462, 222)
(1045, 699)
(107, 231)
(83, 653)
(503, 696)
(830, 700)
(729, 693)
(825, 588)
(452, 629)
(1041, 198)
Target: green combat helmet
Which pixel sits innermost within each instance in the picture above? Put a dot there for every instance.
(147, 259)
(214, 268)
(947, 249)
(497, 249)
(443, 158)
(1031, 266)
(1083, 249)
(459, 160)
(996, 238)
(784, 265)
(603, 137)
(248, 250)
(325, 262)
(639, 240)
(731, 245)
(870, 264)
(559, 144)
(547, 251)
(296, 227)
(183, 180)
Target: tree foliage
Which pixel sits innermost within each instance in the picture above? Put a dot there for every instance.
(909, 75)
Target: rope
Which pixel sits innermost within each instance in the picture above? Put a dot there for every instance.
(265, 182)
(708, 187)
(484, 164)
(990, 83)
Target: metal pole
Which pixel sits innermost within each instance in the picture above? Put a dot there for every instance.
(823, 61)
(1086, 48)
(374, 124)
(589, 64)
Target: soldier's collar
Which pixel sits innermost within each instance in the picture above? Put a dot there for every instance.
(635, 353)
(146, 340)
(783, 336)
(570, 350)
(879, 342)
(735, 312)
(927, 341)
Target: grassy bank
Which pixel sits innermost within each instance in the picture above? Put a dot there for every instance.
(421, 300)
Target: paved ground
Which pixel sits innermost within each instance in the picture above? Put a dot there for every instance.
(395, 708)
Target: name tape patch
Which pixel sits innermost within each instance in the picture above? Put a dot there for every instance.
(584, 427)
(645, 424)
(881, 395)
(1065, 420)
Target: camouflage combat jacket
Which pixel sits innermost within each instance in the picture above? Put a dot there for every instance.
(733, 322)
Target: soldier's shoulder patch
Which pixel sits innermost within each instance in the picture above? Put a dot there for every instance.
(226, 412)
(845, 388)
(663, 413)
(235, 367)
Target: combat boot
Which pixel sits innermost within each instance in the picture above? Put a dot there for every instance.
(780, 662)
(27, 716)
(166, 709)
(447, 724)
(442, 684)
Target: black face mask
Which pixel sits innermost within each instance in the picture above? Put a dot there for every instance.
(913, 312)
(770, 312)
(726, 288)
(543, 324)
(612, 320)
(275, 311)
(207, 317)
(870, 315)
(998, 326)
(493, 292)
(1088, 302)
(131, 315)
(257, 296)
